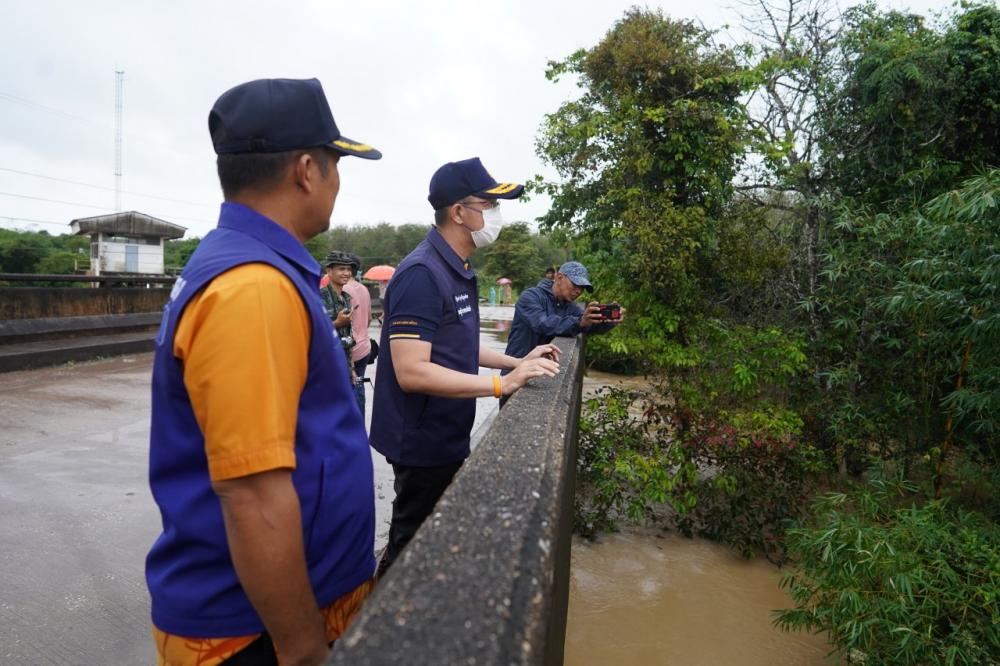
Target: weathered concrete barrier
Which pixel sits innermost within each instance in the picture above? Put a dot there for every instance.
(45, 325)
(60, 328)
(44, 302)
(486, 579)
(34, 343)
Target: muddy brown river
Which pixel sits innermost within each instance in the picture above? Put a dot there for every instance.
(645, 597)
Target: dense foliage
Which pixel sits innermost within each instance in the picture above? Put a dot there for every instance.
(918, 106)
(24, 252)
(714, 450)
(911, 354)
(625, 469)
(647, 157)
(894, 578)
(804, 229)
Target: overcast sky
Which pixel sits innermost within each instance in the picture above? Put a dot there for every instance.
(425, 82)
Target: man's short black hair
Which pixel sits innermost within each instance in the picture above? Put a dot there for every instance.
(441, 215)
(262, 171)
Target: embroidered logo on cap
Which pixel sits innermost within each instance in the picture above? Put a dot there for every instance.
(347, 145)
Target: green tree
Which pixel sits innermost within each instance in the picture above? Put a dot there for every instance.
(381, 244)
(177, 252)
(648, 152)
(515, 256)
(911, 358)
(61, 263)
(551, 249)
(22, 252)
(918, 107)
(646, 158)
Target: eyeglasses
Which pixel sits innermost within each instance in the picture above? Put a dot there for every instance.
(486, 205)
(572, 285)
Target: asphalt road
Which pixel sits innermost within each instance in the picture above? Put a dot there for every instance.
(76, 515)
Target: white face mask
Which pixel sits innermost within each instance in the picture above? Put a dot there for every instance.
(492, 224)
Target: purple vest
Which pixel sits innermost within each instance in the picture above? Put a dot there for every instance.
(194, 588)
(414, 428)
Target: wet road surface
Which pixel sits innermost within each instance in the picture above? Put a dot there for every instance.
(76, 514)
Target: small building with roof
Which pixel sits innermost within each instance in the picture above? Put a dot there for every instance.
(128, 242)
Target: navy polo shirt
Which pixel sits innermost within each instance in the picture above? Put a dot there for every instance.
(433, 296)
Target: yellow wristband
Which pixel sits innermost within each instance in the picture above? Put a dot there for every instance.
(497, 386)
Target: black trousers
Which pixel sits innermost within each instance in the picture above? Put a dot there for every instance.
(259, 653)
(417, 491)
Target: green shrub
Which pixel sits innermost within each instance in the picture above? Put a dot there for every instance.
(626, 467)
(736, 481)
(893, 578)
(756, 478)
(732, 414)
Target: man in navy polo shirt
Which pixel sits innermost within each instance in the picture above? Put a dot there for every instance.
(427, 379)
(258, 458)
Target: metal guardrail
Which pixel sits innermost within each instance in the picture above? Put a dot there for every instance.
(486, 579)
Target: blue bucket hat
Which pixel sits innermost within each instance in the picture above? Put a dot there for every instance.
(456, 180)
(577, 274)
(276, 116)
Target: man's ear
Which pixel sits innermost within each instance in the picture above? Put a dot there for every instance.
(456, 214)
(304, 173)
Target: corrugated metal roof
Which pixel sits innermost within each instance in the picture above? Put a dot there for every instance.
(129, 223)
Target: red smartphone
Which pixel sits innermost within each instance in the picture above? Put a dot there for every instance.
(610, 311)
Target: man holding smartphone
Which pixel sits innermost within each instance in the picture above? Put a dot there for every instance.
(550, 309)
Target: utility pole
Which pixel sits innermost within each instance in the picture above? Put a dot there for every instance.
(119, 108)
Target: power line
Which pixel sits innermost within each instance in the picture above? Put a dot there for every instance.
(104, 208)
(33, 221)
(90, 121)
(27, 102)
(58, 201)
(106, 189)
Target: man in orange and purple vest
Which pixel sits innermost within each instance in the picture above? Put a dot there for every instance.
(259, 462)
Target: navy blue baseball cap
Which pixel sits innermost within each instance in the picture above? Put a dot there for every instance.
(456, 180)
(276, 116)
(577, 274)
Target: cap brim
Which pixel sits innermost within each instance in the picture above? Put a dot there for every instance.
(346, 146)
(583, 283)
(502, 191)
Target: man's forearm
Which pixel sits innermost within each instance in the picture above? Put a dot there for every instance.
(433, 379)
(490, 358)
(411, 360)
(264, 530)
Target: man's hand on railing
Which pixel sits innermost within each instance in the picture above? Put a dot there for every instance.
(542, 361)
(544, 351)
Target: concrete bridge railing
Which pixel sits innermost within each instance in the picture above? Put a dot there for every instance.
(486, 579)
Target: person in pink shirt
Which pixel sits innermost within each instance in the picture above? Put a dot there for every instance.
(360, 318)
